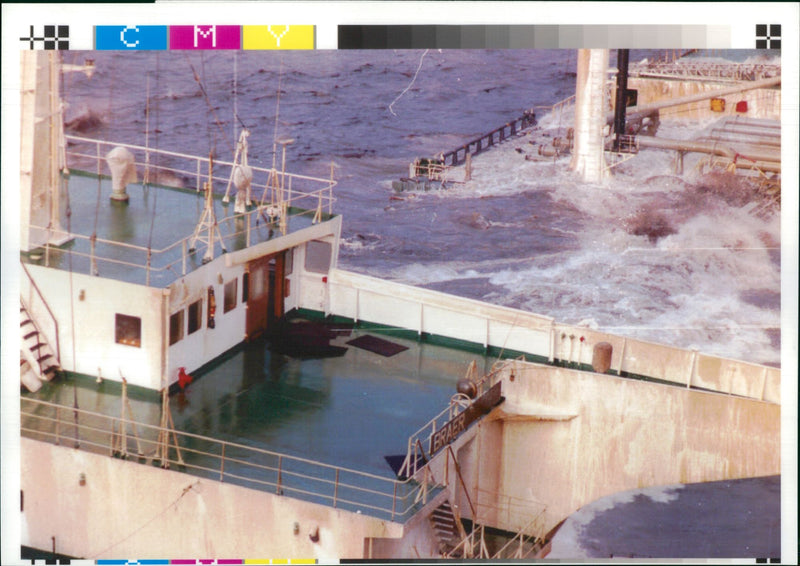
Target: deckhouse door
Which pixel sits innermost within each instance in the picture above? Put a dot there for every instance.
(264, 293)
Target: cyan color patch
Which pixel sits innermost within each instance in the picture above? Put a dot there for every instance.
(130, 38)
(205, 37)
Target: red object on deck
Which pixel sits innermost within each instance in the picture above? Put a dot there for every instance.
(741, 106)
(184, 378)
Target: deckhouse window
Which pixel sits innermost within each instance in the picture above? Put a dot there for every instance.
(231, 288)
(288, 262)
(176, 327)
(195, 312)
(128, 330)
(212, 308)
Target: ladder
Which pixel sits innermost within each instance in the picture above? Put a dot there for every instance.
(446, 528)
(38, 360)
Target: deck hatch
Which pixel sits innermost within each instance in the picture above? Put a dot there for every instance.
(377, 345)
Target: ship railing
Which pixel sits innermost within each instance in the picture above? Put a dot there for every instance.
(487, 141)
(472, 546)
(557, 113)
(175, 259)
(278, 197)
(191, 171)
(527, 540)
(416, 456)
(223, 461)
(523, 545)
(558, 106)
(684, 69)
(510, 513)
(147, 264)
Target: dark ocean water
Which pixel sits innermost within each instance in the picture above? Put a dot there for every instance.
(731, 519)
(523, 233)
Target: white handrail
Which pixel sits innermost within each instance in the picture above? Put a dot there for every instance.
(386, 496)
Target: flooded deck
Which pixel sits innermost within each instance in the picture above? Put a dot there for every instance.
(150, 238)
(278, 416)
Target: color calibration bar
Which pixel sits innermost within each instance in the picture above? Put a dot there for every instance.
(203, 37)
(172, 562)
(533, 36)
(266, 37)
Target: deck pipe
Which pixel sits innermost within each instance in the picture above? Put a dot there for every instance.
(730, 137)
(763, 160)
(644, 111)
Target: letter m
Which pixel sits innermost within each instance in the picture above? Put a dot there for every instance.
(201, 34)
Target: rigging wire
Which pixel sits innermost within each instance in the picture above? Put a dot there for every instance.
(277, 113)
(409, 84)
(68, 214)
(236, 99)
(93, 239)
(212, 149)
(155, 197)
(186, 490)
(158, 109)
(235, 109)
(571, 64)
(211, 108)
(235, 94)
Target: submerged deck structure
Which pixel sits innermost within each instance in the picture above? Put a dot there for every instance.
(498, 423)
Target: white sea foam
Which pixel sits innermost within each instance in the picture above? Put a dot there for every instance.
(646, 253)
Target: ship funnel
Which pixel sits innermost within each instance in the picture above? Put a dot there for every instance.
(123, 171)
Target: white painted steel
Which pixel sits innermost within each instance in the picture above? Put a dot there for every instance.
(588, 159)
(628, 434)
(87, 325)
(373, 300)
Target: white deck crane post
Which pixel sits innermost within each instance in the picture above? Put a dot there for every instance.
(588, 159)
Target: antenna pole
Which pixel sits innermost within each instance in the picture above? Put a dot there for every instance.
(208, 220)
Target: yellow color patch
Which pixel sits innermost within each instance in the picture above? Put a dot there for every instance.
(278, 37)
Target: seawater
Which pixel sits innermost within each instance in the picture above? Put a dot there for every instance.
(522, 233)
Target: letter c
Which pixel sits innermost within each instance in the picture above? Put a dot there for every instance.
(122, 36)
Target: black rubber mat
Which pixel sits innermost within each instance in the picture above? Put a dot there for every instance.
(377, 345)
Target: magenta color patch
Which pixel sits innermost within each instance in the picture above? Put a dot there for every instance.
(205, 37)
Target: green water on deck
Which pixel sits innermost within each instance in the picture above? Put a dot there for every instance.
(154, 217)
(347, 411)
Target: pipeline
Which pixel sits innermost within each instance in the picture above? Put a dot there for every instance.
(765, 161)
(754, 122)
(728, 136)
(644, 111)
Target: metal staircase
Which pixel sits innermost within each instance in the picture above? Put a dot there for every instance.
(446, 528)
(38, 360)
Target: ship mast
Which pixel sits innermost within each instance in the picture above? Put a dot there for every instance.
(42, 147)
(207, 229)
(588, 159)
